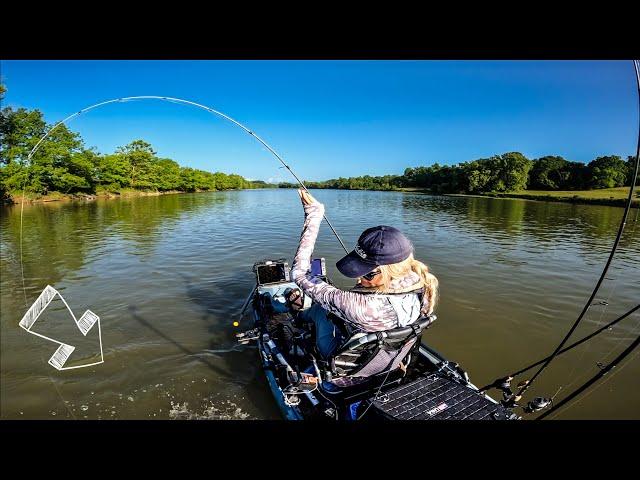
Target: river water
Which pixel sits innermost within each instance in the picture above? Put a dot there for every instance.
(168, 274)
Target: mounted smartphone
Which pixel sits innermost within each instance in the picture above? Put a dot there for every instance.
(318, 267)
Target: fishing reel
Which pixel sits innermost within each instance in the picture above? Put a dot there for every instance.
(245, 337)
(537, 404)
(305, 383)
(291, 400)
(504, 385)
(294, 300)
(509, 397)
(510, 401)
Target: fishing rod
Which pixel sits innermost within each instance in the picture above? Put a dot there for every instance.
(172, 100)
(524, 386)
(497, 383)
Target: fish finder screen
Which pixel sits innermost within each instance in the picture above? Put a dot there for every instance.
(271, 273)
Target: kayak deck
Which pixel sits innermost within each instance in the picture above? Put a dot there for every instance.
(434, 397)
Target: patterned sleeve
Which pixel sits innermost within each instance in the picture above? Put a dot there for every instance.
(362, 310)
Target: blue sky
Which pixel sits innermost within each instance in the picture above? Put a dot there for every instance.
(340, 118)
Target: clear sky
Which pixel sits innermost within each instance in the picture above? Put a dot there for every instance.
(340, 118)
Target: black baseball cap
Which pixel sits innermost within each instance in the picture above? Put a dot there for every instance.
(381, 245)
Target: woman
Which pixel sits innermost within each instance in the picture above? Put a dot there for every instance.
(393, 289)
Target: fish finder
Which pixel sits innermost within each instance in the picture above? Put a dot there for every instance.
(271, 271)
(277, 271)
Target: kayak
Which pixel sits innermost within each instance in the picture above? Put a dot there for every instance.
(416, 383)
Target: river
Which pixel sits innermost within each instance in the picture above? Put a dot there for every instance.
(168, 274)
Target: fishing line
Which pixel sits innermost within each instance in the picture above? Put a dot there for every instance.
(383, 382)
(557, 392)
(594, 379)
(556, 413)
(586, 348)
(606, 304)
(64, 402)
(587, 305)
(573, 379)
(150, 97)
(634, 331)
(601, 364)
(218, 351)
(335, 408)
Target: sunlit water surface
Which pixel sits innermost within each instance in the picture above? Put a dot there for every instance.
(167, 275)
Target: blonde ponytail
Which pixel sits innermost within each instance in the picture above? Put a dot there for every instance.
(401, 269)
(430, 283)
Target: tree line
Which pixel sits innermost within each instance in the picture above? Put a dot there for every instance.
(509, 172)
(64, 164)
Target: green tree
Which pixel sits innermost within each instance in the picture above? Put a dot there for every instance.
(549, 173)
(167, 174)
(140, 156)
(188, 180)
(509, 172)
(579, 176)
(477, 176)
(61, 162)
(631, 163)
(113, 171)
(20, 130)
(608, 172)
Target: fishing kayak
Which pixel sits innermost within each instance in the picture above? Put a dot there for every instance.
(421, 385)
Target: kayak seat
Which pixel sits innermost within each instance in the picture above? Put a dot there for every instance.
(367, 355)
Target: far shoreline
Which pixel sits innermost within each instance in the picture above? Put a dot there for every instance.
(596, 197)
(89, 197)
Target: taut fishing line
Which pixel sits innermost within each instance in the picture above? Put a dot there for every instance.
(574, 379)
(600, 365)
(555, 412)
(605, 304)
(606, 369)
(87, 321)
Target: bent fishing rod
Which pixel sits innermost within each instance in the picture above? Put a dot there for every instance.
(504, 382)
(179, 101)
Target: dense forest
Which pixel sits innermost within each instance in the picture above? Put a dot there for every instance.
(63, 164)
(510, 172)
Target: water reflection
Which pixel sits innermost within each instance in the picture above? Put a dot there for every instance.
(512, 220)
(59, 238)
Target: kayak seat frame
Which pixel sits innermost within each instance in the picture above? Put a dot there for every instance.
(366, 358)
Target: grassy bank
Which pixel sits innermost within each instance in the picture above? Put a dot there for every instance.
(415, 190)
(604, 196)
